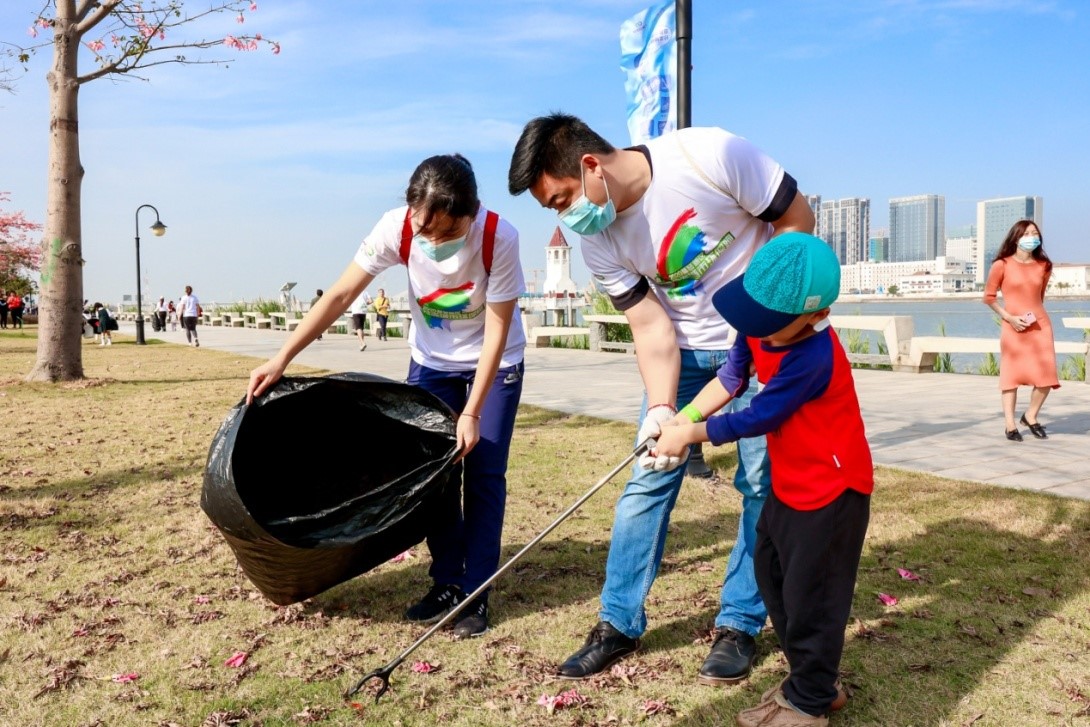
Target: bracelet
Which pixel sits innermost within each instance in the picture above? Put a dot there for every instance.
(471, 416)
(692, 413)
(671, 407)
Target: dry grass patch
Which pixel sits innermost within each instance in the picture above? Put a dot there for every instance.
(120, 604)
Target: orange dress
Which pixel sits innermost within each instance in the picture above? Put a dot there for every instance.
(1027, 358)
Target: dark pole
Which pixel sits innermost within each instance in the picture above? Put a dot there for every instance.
(139, 307)
(684, 12)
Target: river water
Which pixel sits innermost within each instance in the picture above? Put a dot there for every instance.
(967, 317)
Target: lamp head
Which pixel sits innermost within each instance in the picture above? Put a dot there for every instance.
(158, 229)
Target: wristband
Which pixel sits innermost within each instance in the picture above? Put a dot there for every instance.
(671, 407)
(471, 416)
(692, 413)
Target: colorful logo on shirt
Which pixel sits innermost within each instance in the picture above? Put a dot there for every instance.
(448, 304)
(685, 254)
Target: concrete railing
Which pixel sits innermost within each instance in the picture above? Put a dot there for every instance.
(904, 350)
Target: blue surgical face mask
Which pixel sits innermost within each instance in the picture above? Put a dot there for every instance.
(1029, 244)
(441, 251)
(586, 218)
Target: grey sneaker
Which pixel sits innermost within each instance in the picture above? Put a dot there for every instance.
(435, 605)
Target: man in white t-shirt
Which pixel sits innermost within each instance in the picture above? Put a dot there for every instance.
(663, 226)
(358, 311)
(189, 310)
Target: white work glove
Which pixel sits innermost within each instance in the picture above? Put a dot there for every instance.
(651, 428)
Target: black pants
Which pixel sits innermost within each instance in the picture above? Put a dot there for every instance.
(806, 562)
(4, 317)
(382, 326)
(190, 325)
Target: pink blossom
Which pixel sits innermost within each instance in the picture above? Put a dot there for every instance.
(253, 7)
(401, 557)
(907, 575)
(32, 32)
(424, 667)
(276, 49)
(237, 659)
(257, 36)
(96, 45)
(43, 23)
(888, 599)
(570, 698)
(240, 19)
(204, 599)
(126, 678)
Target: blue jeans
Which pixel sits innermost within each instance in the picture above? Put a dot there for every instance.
(643, 514)
(465, 547)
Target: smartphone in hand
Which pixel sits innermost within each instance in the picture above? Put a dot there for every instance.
(1029, 318)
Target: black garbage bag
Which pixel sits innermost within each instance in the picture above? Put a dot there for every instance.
(323, 478)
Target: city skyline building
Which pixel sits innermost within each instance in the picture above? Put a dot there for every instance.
(994, 218)
(845, 225)
(878, 246)
(961, 245)
(917, 227)
(814, 200)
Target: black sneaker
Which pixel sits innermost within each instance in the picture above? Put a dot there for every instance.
(472, 620)
(731, 658)
(603, 646)
(435, 605)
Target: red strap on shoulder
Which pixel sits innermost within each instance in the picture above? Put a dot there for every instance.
(491, 221)
(406, 237)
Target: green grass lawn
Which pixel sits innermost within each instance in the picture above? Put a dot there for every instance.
(108, 567)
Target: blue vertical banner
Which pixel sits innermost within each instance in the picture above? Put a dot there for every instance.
(649, 60)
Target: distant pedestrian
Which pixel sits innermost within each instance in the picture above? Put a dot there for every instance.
(172, 315)
(15, 309)
(3, 309)
(103, 316)
(1027, 351)
(358, 309)
(382, 313)
(189, 310)
(161, 315)
(314, 302)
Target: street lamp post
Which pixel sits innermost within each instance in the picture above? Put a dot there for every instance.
(157, 229)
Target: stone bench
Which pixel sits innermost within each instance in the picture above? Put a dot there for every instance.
(541, 336)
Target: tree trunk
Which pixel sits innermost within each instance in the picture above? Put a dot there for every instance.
(60, 322)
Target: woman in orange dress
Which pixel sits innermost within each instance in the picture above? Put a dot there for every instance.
(1027, 353)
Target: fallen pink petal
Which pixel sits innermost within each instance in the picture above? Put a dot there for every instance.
(570, 698)
(126, 678)
(654, 706)
(424, 667)
(204, 599)
(907, 574)
(236, 660)
(888, 599)
(400, 557)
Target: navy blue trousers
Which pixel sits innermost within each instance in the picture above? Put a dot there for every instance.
(465, 546)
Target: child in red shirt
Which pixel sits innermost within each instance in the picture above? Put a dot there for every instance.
(811, 530)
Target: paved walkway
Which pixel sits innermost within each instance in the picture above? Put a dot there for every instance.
(946, 424)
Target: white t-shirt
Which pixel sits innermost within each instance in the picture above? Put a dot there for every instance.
(187, 306)
(687, 238)
(359, 305)
(447, 298)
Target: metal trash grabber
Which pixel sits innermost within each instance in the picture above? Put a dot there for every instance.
(385, 672)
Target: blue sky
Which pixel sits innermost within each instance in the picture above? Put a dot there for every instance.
(273, 168)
